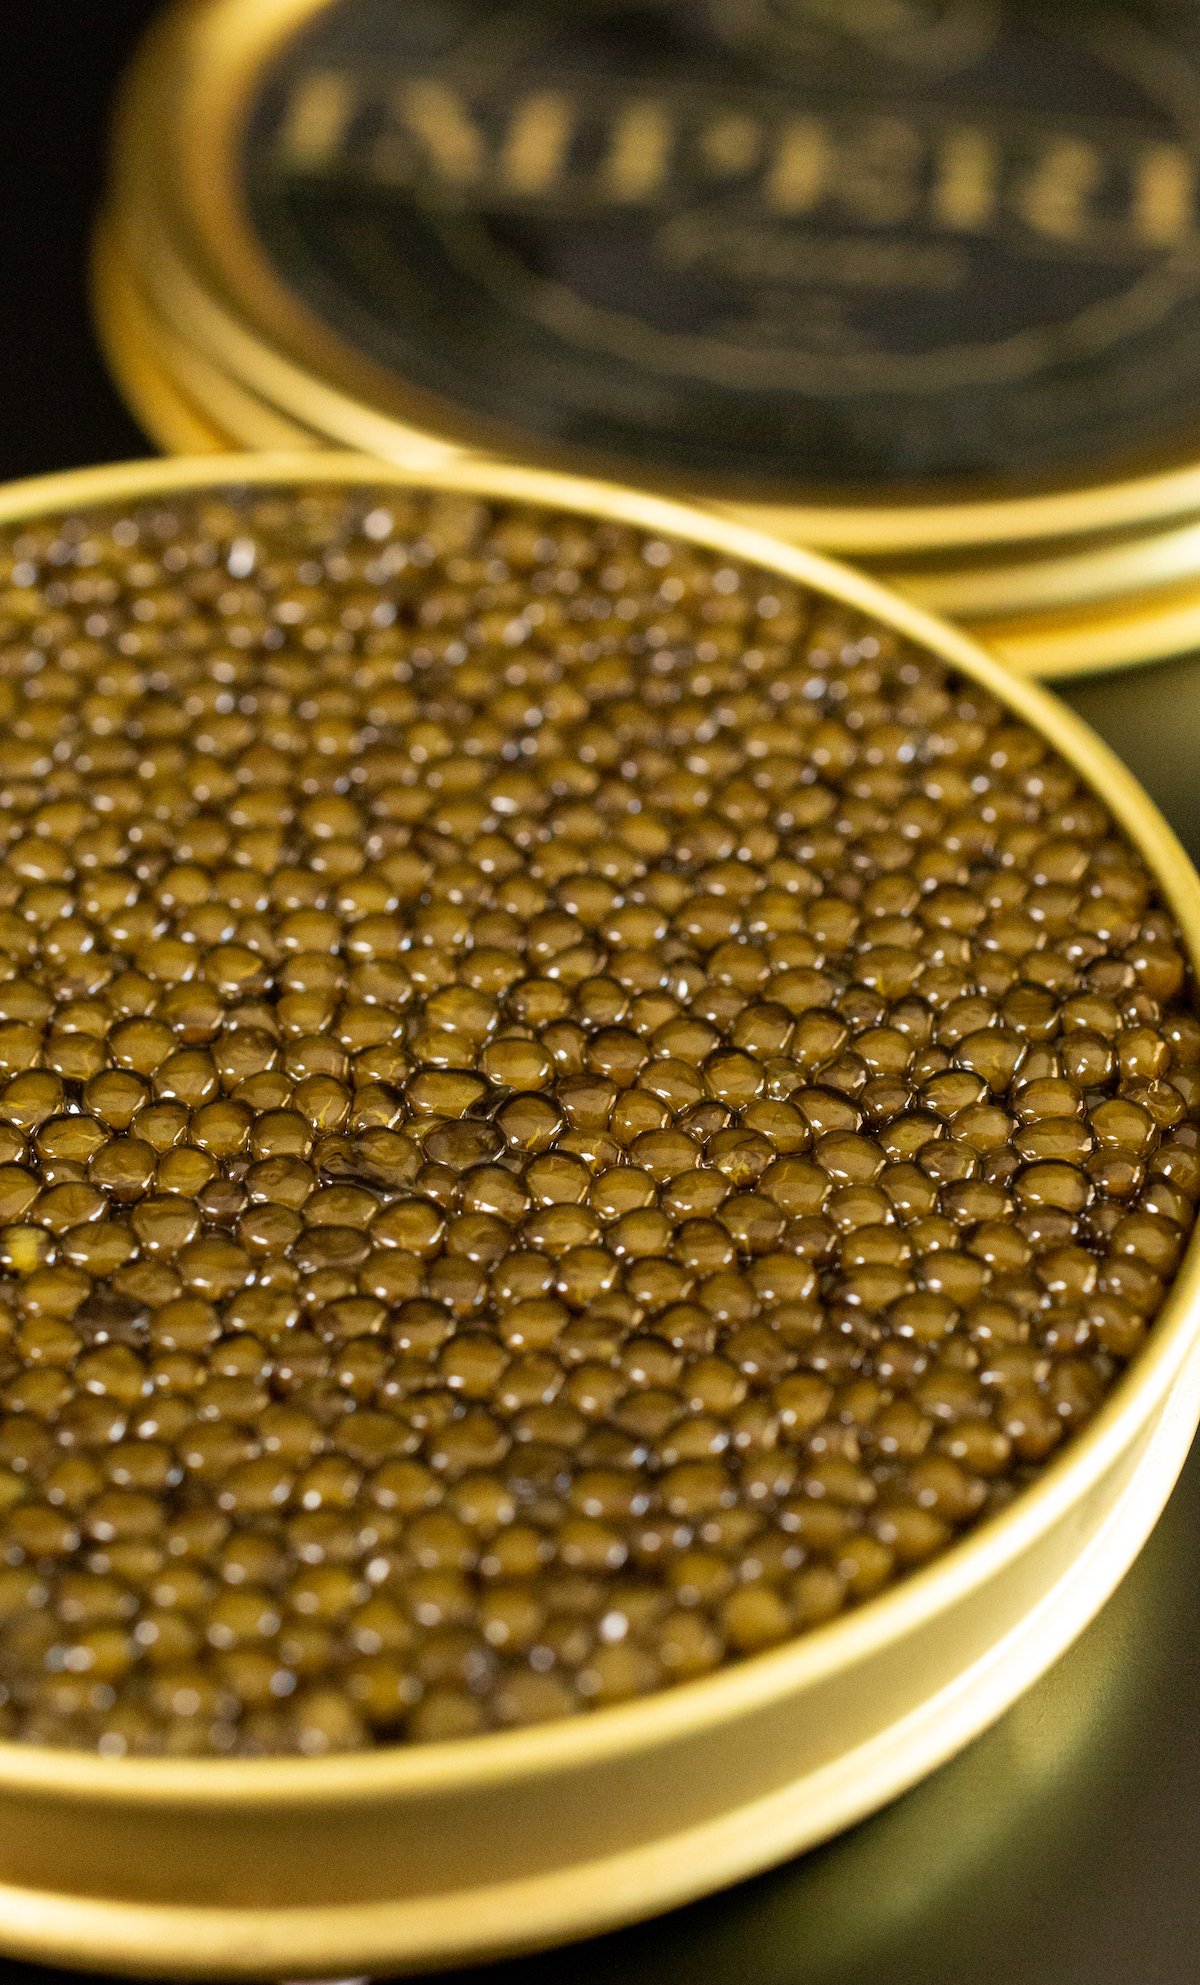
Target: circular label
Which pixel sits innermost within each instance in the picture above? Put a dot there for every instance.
(764, 245)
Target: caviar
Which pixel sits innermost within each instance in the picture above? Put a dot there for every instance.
(568, 1112)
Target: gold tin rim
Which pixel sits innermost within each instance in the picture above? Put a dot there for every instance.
(184, 400)
(197, 318)
(178, 127)
(1122, 634)
(1094, 575)
(497, 1755)
(186, 403)
(286, 1867)
(157, 403)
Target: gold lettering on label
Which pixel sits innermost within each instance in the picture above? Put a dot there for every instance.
(799, 258)
(536, 145)
(877, 178)
(318, 114)
(732, 144)
(435, 115)
(1164, 197)
(1055, 198)
(637, 158)
(799, 172)
(964, 190)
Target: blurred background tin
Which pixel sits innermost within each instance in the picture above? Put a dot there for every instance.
(917, 281)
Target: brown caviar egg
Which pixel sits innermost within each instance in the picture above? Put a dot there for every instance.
(540, 1154)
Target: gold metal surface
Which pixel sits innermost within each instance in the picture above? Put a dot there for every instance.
(1020, 1833)
(184, 403)
(152, 237)
(1151, 627)
(1054, 579)
(405, 1858)
(189, 406)
(151, 394)
(187, 233)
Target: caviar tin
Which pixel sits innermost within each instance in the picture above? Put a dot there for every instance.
(406, 1859)
(946, 326)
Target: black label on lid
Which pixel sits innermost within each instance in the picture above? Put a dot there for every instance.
(773, 245)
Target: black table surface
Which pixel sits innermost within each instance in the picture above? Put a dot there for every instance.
(1063, 1848)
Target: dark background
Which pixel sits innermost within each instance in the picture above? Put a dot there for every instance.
(1064, 1847)
(60, 61)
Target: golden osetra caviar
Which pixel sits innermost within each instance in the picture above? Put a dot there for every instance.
(599, 1130)
(571, 1111)
(917, 281)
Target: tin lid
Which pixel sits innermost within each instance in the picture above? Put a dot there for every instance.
(182, 401)
(1054, 577)
(888, 277)
(1146, 627)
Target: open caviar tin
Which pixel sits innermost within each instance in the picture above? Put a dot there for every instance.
(405, 1858)
(943, 327)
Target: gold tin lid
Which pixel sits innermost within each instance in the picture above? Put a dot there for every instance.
(402, 1858)
(1147, 627)
(890, 280)
(183, 400)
